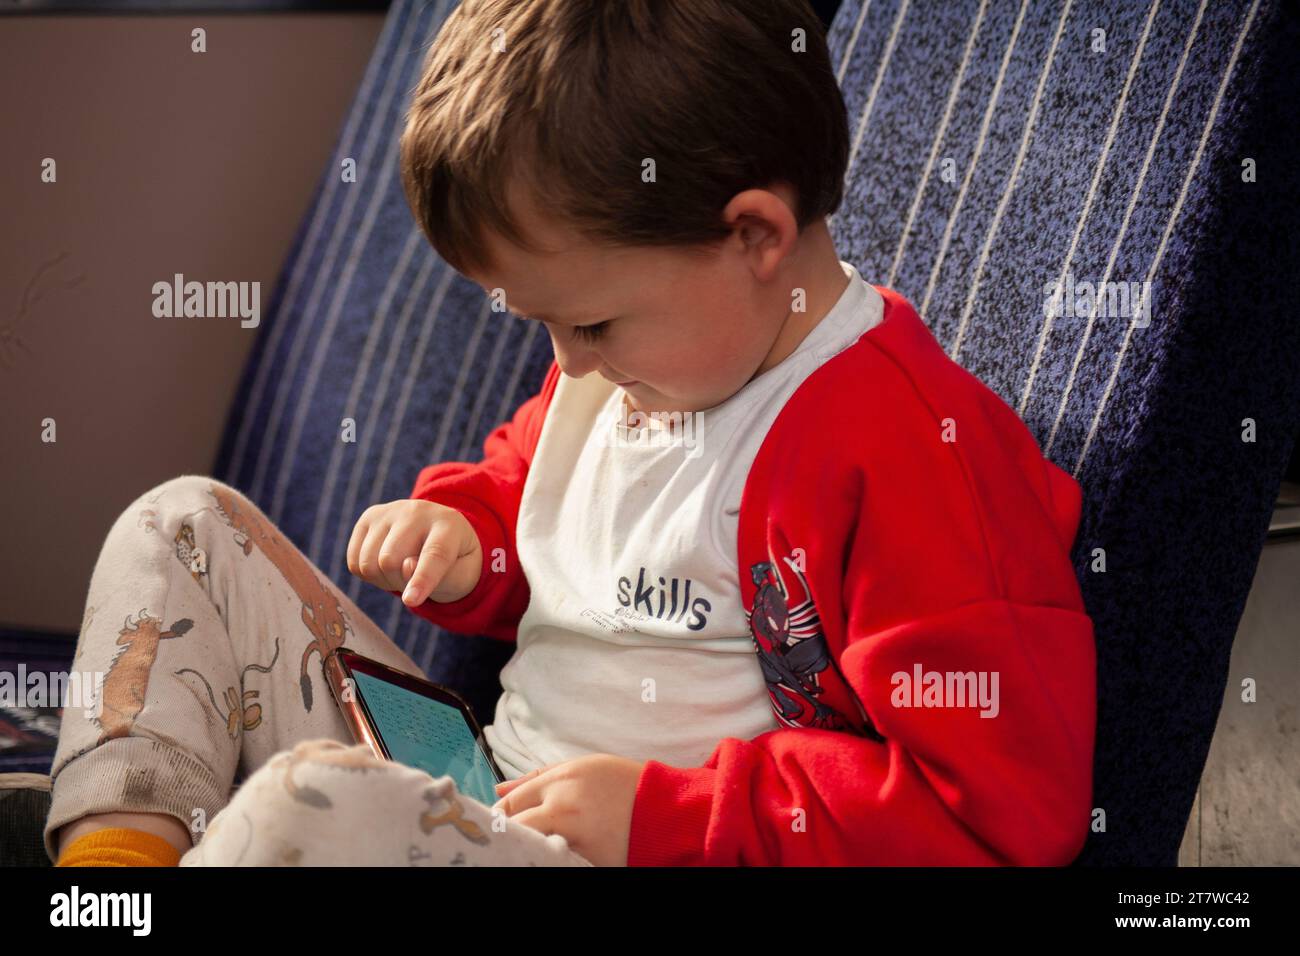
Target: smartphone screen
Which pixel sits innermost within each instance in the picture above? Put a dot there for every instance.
(428, 734)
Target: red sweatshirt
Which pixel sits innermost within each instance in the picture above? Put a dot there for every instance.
(901, 524)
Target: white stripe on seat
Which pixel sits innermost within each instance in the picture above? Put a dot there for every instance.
(1124, 223)
(936, 143)
(980, 140)
(1169, 228)
(853, 42)
(865, 118)
(1104, 155)
(1011, 184)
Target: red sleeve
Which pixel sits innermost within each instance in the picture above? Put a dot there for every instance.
(488, 494)
(947, 788)
(953, 559)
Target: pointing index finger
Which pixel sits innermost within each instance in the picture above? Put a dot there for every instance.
(432, 566)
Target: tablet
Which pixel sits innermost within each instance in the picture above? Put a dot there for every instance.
(413, 721)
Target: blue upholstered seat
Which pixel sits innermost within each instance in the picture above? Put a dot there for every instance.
(996, 147)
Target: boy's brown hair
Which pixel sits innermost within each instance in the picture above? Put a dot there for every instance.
(573, 96)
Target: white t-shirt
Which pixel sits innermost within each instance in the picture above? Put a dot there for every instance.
(635, 640)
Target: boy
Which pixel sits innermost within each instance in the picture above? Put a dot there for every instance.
(741, 450)
(836, 438)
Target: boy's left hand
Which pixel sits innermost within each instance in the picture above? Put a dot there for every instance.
(587, 800)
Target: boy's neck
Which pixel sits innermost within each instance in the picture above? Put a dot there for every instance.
(819, 274)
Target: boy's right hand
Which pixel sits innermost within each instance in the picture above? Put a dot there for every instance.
(426, 548)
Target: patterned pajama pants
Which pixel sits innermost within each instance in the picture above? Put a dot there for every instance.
(209, 628)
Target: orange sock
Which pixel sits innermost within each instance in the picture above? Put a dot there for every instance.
(119, 846)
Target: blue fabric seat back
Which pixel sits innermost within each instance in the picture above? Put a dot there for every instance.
(1005, 147)
(997, 148)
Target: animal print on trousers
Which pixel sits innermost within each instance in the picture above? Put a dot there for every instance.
(208, 628)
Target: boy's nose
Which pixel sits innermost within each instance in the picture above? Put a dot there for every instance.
(575, 361)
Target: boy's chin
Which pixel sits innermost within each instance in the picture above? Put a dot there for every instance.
(636, 399)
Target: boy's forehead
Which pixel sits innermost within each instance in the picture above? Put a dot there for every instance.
(526, 280)
(558, 282)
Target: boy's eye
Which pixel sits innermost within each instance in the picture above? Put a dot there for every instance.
(589, 333)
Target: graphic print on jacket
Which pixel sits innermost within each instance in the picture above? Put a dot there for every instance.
(792, 649)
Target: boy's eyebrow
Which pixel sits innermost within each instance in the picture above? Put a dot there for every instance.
(543, 318)
(540, 316)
